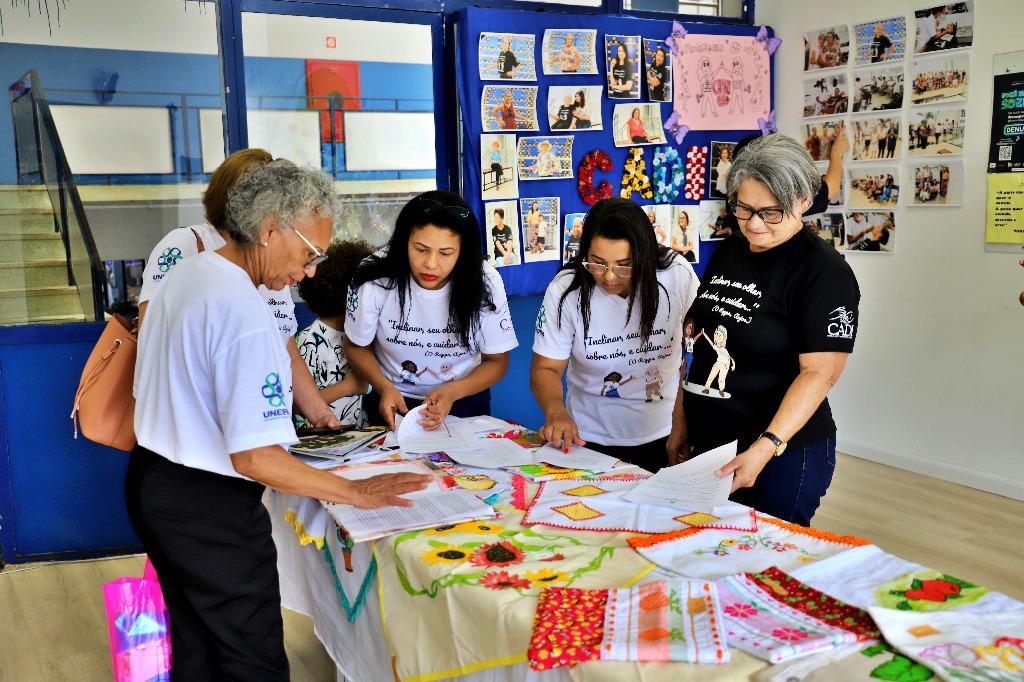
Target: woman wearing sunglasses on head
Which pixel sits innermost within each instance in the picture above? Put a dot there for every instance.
(426, 301)
(778, 313)
(612, 322)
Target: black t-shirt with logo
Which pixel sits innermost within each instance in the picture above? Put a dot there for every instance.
(504, 236)
(621, 74)
(564, 117)
(661, 73)
(879, 45)
(798, 297)
(506, 62)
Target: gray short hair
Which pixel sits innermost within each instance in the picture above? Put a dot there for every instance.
(278, 188)
(782, 164)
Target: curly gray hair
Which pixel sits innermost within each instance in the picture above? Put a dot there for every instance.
(782, 164)
(278, 188)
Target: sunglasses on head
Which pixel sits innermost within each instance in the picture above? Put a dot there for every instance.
(431, 207)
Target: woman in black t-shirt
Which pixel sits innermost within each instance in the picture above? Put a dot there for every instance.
(787, 302)
(620, 73)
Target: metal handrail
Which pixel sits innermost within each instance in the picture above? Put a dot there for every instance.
(61, 187)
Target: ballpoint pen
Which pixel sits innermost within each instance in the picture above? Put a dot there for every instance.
(433, 401)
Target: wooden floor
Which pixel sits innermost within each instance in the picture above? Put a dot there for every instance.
(52, 624)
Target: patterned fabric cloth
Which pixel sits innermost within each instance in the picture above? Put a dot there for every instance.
(452, 579)
(776, 617)
(860, 662)
(658, 621)
(867, 576)
(696, 158)
(597, 505)
(987, 647)
(715, 552)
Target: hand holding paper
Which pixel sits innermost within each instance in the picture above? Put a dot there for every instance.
(692, 485)
(413, 437)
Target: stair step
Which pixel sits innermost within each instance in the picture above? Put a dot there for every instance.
(39, 301)
(26, 220)
(39, 273)
(24, 196)
(31, 247)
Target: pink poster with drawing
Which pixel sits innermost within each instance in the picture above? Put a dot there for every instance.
(721, 82)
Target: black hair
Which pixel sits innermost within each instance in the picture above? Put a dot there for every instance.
(469, 292)
(326, 293)
(618, 218)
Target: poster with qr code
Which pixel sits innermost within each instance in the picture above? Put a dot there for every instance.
(1006, 150)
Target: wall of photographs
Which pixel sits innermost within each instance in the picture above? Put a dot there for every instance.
(897, 86)
(561, 110)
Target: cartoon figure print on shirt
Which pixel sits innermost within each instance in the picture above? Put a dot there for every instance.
(688, 343)
(612, 382)
(652, 384)
(724, 363)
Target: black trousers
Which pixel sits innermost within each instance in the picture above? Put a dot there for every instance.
(651, 456)
(209, 538)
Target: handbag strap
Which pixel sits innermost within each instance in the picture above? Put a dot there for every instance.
(88, 381)
(199, 240)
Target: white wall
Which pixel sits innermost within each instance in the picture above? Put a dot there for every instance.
(936, 382)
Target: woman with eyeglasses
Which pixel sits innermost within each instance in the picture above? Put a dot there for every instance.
(428, 300)
(614, 313)
(213, 418)
(786, 302)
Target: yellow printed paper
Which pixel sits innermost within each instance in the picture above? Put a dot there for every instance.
(1005, 220)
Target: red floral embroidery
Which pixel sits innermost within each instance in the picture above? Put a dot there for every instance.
(741, 610)
(501, 580)
(789, 634)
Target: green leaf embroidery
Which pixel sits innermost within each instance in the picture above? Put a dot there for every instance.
(902, 669)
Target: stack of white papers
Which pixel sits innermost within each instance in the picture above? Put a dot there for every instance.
(691, 485)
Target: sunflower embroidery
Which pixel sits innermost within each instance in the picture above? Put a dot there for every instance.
(546, 576)
(476, 527)
(448, 554)
(497, 555)
(501, 580)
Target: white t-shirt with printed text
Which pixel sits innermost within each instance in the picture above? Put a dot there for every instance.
(613, 358)
(419, 353)
(181, 243)
(212, 376)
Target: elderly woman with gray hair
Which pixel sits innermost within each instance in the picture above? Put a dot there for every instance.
(787, 301)
(213, 418)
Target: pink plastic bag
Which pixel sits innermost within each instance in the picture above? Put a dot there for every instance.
(139, 627)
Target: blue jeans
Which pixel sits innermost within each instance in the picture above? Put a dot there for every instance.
(791, 486)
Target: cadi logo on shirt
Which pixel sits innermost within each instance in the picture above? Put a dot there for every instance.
(274, 394)
(169, 258)
(840, 324)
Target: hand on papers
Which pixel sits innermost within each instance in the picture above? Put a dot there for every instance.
(384, 490)
(561, 431)
(435, 408)
(391, 402)
(748, 464)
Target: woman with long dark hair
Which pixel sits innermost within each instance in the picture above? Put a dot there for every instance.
(427, 300)
(614, 314)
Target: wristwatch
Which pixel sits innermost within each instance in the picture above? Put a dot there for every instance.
(780, 445)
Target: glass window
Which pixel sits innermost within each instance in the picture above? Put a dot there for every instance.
(708, 8)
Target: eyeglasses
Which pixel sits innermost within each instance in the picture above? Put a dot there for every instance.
(320, 256)
(770, 216)
(598, 269)
(431, 207)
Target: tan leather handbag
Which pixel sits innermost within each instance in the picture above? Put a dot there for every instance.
(104, 404)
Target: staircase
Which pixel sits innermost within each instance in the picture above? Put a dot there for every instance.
(33, 262)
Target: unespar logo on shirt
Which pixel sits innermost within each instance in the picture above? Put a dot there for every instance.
(274, 394)
(840, 324)
(169, 258)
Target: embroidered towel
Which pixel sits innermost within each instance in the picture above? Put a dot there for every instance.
(776, 617)
(959, 646)
(675, 620)
(710, 553)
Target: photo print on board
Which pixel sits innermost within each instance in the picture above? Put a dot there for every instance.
(657, 70)
(871, 231)
(712, 220)
(501, 221)
(637, 124)
(819, 136)
(826, 48)
(569, 51)
(622, 55)
(660, 217)
(874, 187)
(877, 89)
(876, 138)
(545, 158)
(684, 221)
(826, 95)
(940, 79)
(718, 168)
(507, 56)
(571, 235)
(944, 27)
(498, 166)
(574, 107)
(882, 40)
(509, 107)
(840, 197)
(938, 183)
(936, 131)
(830, 226)
(539, 229)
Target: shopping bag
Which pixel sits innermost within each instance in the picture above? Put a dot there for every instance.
(139, 628)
